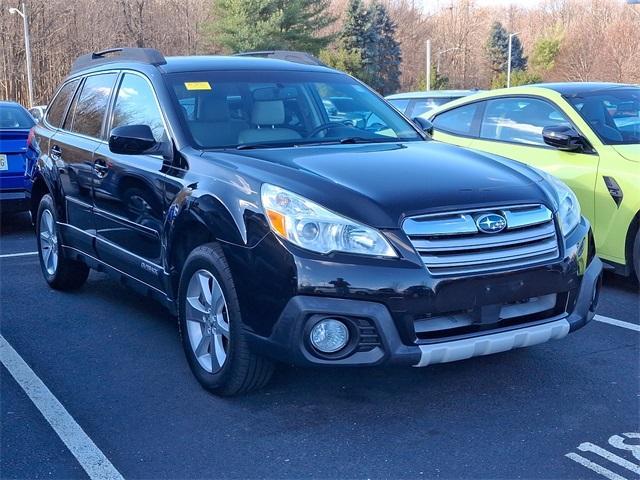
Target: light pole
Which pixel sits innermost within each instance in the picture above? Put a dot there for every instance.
(511, 35)
(428, 65)
(27, 48)
(440, 53)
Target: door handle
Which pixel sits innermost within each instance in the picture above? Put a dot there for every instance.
(101, 168)
(55, 152)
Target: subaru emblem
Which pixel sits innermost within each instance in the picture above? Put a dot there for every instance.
(491, 223)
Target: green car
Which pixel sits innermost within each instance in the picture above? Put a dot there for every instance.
(586, 134)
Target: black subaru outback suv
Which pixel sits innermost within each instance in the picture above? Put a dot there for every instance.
(287, 212)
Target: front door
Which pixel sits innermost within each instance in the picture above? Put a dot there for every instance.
(128, 189)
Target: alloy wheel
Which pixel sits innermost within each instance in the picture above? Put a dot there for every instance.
(48, 242)
(207, 321)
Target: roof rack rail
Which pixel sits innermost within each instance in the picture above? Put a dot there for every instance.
(288, 55)
(150, 56)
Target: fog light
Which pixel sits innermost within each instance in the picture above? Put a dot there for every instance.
(329, 335)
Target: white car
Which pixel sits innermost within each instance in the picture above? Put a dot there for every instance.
(420, 104)
(37, 112)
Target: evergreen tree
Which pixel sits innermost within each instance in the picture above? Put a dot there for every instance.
(388, 54)
(438, 81)
(242, 25)
(498, 50)
(358, 38)
(343, 60)
(356, 24)
(370, 33)
(545, 52)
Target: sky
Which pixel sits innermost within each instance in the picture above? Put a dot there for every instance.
(434, 5)
(503, 3)
(494, 3)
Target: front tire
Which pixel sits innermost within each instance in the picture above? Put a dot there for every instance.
(61, 273)
(211, 328)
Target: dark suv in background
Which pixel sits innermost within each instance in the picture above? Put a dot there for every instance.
(277, 230)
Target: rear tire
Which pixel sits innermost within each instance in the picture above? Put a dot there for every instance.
(61, 273)
(211, 328)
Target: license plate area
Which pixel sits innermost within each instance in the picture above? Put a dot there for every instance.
(462, 323)
(4, 162)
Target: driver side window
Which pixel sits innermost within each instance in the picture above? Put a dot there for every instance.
(136, 105)
(519, 120)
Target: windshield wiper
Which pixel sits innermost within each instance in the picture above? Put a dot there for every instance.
(348, 140)
(251, 146)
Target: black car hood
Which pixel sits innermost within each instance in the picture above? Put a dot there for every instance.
(380, 184)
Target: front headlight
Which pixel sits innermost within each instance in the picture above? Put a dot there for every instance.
(568, 205)
(315, 228)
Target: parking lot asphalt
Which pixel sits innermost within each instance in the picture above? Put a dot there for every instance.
(114, 361)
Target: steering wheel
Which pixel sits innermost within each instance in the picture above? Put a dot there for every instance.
(328, 126)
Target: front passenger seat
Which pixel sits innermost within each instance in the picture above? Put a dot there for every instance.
(268, 118)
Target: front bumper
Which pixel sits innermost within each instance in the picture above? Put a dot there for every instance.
(287, 342)
(392, 305)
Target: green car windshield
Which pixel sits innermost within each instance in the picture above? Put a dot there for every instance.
(613, 114)
(262, 109)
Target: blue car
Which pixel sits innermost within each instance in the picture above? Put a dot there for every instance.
(15, 187)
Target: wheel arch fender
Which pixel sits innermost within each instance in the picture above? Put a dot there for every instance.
(193, 219)
(45, 182)
(632, 231)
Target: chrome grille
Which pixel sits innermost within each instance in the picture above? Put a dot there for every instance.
(451, 243)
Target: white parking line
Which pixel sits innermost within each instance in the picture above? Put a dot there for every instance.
(23, 254)
(617, 323)
(89, 456)
(605, 472)
(621, 444)
(612, 457)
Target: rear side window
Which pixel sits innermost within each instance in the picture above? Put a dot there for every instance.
(400, 103)
(423, 106)
(520, 120)
(55, 113)
(91, 105)
(136, 105)
(458, 120)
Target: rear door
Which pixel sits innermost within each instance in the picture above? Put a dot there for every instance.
(72, 149)
(512, 127)
(128, 189)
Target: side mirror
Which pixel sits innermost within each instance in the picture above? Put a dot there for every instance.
(563, 138)
(425, 125)
(131, 139)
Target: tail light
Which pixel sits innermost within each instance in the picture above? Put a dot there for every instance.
(31, 138)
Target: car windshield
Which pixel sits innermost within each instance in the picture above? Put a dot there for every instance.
(14, 117)
(613, 114)
(261, 109)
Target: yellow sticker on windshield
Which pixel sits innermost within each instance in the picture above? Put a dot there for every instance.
(197, 85)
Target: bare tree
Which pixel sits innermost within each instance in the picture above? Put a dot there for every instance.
(600, 38)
